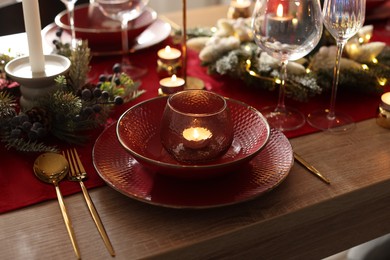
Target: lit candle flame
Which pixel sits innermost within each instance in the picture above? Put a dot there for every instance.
(174, 78)
(195, 134)
(196, 137)
(168, 48)
(279, 11)
(295, 21)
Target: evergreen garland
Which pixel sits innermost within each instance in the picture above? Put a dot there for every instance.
(243, 62)
(301, 88)
(69, 113)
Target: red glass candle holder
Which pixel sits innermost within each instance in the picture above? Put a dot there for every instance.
(196, 126)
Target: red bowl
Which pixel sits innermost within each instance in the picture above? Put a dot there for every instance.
(138, 131)
(103, 33)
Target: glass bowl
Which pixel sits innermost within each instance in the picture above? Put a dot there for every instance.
(196, 126)
(103, 33)
(138, 131)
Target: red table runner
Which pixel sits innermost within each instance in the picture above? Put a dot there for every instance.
(19, 187)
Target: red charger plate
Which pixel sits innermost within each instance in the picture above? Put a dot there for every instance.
(126, 175)
(154, 34)
(103, 33)
(138, 131)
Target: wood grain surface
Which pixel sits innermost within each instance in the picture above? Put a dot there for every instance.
(302, 219)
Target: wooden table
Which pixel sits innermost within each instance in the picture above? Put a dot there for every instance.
(302, 219)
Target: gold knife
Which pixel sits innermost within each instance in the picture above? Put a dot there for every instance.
(311, 168)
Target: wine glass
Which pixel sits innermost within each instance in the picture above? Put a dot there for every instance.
(69, 4)
(343, 19)
(125, 11)
(286, 30)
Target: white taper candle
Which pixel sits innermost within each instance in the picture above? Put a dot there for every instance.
(32, 23)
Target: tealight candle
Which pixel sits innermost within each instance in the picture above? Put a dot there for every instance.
(172, 84)
(383, 118)
(239, 8)
(196, 137)
(280, 16)
(385, 98)
(33, 30)
(168, 62)
(169, 55)
(278, 23)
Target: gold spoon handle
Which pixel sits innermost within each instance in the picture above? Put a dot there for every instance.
(96, 218)
(67, 221)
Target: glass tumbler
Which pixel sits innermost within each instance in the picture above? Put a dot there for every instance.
(196, 126)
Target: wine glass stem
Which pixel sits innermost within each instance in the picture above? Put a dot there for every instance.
(125, 41)
(283, 76)
(70, 7)
(336, 74)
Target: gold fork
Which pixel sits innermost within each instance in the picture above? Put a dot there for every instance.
(78, 173)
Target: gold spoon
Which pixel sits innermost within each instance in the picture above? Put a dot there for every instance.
(52, 168)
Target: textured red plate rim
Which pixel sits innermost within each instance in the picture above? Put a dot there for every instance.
(124, 174)
(199, 167)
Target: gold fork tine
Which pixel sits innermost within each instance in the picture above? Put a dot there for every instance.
(72, 170)
(78, 172)
(80, 165)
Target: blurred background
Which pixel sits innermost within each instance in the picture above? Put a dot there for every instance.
(11, 15)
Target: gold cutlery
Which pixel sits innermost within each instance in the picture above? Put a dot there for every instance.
(78, 173)
(52, 168)
(311, 168)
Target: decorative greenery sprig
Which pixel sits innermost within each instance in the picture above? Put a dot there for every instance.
(70, 112)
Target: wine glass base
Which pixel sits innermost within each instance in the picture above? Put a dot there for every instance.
(341, 123)
(286, 119)
(134, 72)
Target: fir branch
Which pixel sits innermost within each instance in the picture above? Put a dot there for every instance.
(22, 145)
(79, 68)
(7, 105)
(384, 56)
(364, 81)
(62, 103)
(69, 136)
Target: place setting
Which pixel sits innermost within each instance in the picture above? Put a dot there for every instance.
(193, 135)
(104, 33)
(156, 157)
